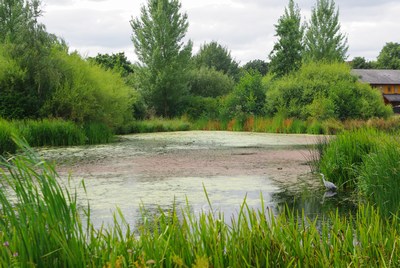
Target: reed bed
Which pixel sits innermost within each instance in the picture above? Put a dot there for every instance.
(52, 132)
(155, 125)
(43, 225)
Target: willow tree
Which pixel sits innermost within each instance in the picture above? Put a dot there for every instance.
(286, 55)
(323, 39)
(164, 57)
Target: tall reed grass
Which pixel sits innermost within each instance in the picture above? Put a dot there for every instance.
(155, 125)
(41, 225)
(6, 143)
(52, 132)
(379, 178)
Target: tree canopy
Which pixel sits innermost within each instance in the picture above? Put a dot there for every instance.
(286, 55)
(214, 55)
(323, 39)
(389, 57)
(157, 37)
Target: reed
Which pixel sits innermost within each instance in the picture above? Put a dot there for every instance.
(6, 143)
(345, 154)
(50, 132)
(379, 179)
(97, 133)
(157, 125)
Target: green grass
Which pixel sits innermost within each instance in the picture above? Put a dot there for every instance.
(48, 132)
(52, 132)
(155, 125)
(6, 143)
(42, 225)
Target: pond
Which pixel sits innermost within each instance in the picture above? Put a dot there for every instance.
(161, 169)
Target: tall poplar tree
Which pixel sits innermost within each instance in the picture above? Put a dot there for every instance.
(158, 39)
(323, 39)
(286, 55)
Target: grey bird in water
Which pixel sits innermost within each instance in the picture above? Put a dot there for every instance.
(329, 185)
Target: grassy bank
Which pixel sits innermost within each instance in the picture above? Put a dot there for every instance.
(366, 161)
(42, 225)
(52, 132)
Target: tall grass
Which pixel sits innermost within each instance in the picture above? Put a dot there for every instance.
(97, 133)
(155, 125)
(50, 132)
(379, 179)
(6, 143)
(345, 154)
(41, 225)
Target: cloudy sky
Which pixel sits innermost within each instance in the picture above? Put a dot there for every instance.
(245, 27)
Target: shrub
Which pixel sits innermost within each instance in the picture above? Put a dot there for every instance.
(322, 91)
(89, 93)
(247, 98)
(208, 82)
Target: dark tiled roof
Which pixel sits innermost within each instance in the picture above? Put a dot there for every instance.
(378, 77)
(392, 97)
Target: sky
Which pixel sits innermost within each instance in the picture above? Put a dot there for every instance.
(244, 27)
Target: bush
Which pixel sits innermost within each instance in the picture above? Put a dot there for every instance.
(89, 94)
(208, 82)
(247, 98)
(322, 91)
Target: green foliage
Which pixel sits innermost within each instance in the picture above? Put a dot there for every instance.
(49, 132)
(40, 224)
(157, 37)
(345, 154)
(117, 62)
(208, 82)
(247, 98)
(379, 177)
(89, 94)
(7, 145)
(157, 125)
(323, 39)
(361, 63)
(214, 55)
(256, 66)
(286, 56)
(389, 57)
(323, 91)
(205, 107)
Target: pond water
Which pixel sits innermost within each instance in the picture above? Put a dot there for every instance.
(158, 170)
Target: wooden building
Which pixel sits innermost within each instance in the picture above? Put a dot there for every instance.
(386, 81)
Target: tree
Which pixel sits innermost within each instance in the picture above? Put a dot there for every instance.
(389, 57)
(257, 65)
(323, 39)
(286, 55)
(118, 62)
(361, 63)
(157, 37)
(208, 82)
(213, 55)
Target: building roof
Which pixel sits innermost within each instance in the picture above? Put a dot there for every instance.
(378, 77)
(392, 97)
